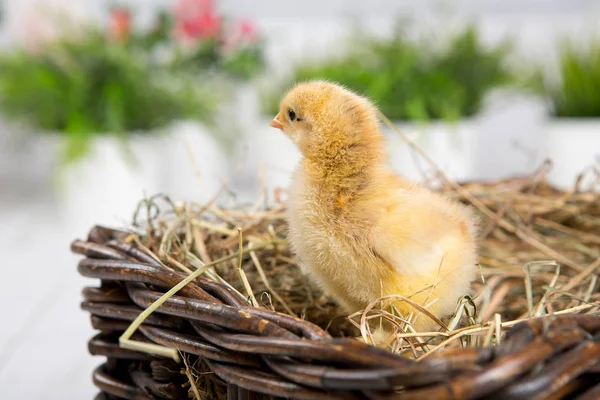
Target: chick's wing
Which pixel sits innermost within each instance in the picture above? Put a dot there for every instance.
(416, 230)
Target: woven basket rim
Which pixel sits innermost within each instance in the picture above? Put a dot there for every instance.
(268, 352)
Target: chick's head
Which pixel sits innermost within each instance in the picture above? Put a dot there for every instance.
(323, 118)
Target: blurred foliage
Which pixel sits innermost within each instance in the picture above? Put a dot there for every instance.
(244, 63)
(119, 80)
(414, 80)
(200, 39)
(576, 92)
(87, 87)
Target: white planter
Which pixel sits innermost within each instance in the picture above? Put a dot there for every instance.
(452, 147)
(510, 132)
(505, 140)
(105, 186)
(27, 162)
(194, 165)
(573, 146)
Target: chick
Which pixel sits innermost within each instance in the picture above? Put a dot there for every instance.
(359, 229)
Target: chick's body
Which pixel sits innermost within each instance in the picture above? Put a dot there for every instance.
(360, 230)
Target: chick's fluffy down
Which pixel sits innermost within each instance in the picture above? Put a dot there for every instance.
(358, 229)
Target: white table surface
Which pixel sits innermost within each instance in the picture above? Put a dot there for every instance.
(43, 333)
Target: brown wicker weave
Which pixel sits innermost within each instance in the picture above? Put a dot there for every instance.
(257, 351)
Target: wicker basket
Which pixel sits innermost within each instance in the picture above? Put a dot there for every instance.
(265, 354)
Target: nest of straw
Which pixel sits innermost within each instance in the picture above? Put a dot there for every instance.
(539, 256)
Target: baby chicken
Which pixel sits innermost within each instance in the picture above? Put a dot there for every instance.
(359, 229)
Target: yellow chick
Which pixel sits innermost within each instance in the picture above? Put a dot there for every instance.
(359, 229)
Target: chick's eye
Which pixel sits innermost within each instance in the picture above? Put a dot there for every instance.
(292, 115)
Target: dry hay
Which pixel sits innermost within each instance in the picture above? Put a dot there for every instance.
(539, 254)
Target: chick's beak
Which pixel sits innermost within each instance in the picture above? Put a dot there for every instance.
(275, 123)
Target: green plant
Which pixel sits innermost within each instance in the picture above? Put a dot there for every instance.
(415, 80)
(94, 86)
(474, 68)
(199, 39)
(576, 92)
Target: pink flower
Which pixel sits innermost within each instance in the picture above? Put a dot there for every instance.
(200, 27)
(244, 33)
(196, 19)
(247, 31)
(195, 7)
(120, 24)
